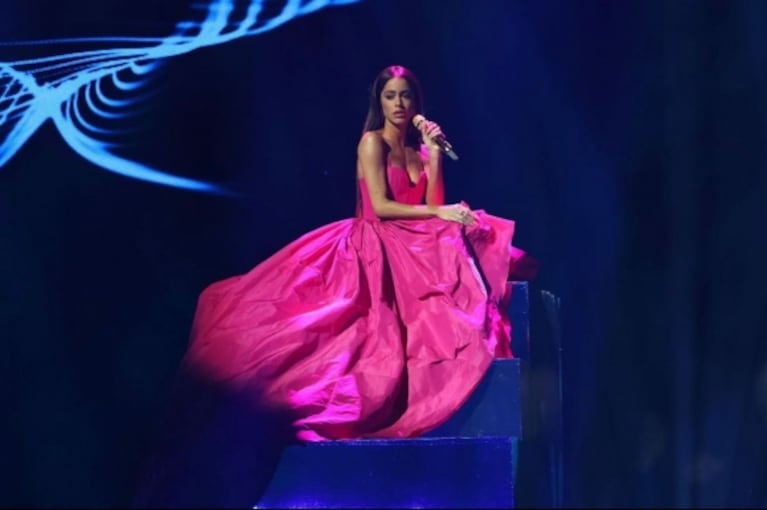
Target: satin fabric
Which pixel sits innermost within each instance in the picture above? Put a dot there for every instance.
(363, 327)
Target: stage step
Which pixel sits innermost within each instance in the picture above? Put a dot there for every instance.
(468, 462)
(396, 473)
(494, 409)
(519, 316)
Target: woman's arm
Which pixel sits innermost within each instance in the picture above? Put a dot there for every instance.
(431, 157)
(371, 157)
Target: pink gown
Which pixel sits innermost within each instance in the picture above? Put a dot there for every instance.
(363, 327)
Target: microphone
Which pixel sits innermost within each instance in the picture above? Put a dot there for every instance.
(439, 140)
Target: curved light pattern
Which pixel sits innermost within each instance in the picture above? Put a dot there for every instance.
(87, 93)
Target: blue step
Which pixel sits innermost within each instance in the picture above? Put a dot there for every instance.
(519, 315)
(494, 409)
(396, 473)
(468, 462)
(475, 449)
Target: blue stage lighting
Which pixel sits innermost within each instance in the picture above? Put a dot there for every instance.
(85, 92)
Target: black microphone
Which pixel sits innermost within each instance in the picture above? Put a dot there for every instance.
(439, 140)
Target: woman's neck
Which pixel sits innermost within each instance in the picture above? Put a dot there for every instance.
(396, 136)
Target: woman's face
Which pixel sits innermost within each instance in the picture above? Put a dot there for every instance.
(397, 101)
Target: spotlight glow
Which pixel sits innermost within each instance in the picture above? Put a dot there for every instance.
(86, 92)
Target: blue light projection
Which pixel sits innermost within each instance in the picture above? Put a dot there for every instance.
(88, 93)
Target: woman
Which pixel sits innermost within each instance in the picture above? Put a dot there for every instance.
(376, 326)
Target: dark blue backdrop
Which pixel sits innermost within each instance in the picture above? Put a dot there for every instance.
(626, 139)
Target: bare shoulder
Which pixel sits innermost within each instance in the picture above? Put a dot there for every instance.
(371, 144)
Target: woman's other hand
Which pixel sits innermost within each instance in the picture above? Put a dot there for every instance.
(458, 213)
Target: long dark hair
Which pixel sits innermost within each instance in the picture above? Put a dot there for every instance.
(375, 117)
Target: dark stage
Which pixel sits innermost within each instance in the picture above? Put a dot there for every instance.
(625, 139)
